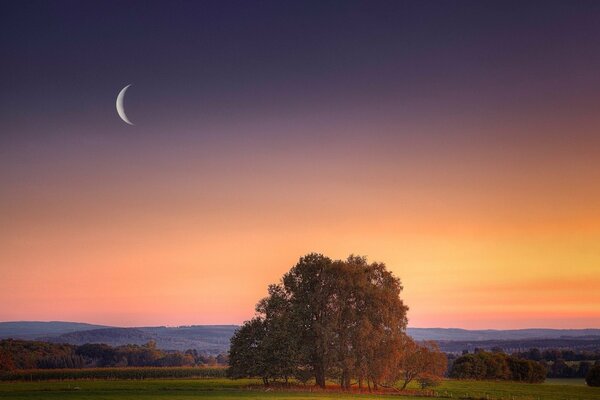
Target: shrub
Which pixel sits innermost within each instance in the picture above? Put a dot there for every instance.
(429, 380)
(497, 366)
(593, 376)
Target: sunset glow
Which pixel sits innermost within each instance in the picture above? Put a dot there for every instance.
(477, 184)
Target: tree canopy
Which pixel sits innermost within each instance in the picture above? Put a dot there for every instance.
(336, 319)
(593, 376)
(497, 366)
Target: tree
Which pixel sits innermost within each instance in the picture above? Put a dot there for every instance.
(584, 368)
(535, 354)
(425, 362)
(176, 359)
(246, 355)
(468, 366)
(593, 376)
(497, 366)
(560, 369)
(222, 359)
(6, 361)
(25, 354)
(308, 289)
(429, 380)
(336, 319)
(526, 370)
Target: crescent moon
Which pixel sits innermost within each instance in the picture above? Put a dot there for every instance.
(120, 107)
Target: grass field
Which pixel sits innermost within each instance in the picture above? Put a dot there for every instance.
(184, 389)
(113, 373)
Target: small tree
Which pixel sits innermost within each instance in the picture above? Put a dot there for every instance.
(246, 355)
(429, 380)
(421, 361)
(593, 376)
(584, 368)
(6, 361)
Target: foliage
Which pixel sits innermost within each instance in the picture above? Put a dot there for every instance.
(563, 363)
(497, 366)
(593, 376)
(427, 380)
(25, 354)
(526, 370)
(247, 357)
(113, 373)
(341, 320)
(423, 362)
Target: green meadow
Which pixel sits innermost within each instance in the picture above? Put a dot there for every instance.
(183, 389)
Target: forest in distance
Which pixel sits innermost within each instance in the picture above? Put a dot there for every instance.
(18, 354)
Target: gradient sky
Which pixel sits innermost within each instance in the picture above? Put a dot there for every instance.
(458, 142)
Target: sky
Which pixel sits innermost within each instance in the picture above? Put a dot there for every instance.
(457, 142)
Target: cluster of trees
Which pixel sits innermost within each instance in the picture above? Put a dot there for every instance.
(563, 363)
(568, 348)
(25, 354)
(497, 366)
(536, 354)
(341, 320)
(561, 369)
(208, 360)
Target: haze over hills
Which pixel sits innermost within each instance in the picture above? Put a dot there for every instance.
(36, 329)
(214, 339)
(210, 339)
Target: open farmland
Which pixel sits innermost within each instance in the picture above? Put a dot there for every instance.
(112, 373)
(182, 389)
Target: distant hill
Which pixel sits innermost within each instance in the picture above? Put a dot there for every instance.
(214, 339)
(493, 334)
(210, 339)
(35, 329)
(111, 336)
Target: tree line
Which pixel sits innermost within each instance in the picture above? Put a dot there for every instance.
(575, 369)
(536, 354)
(563, 363)
(337, 320)
(558, 363)
(27, 354)
(497, 366)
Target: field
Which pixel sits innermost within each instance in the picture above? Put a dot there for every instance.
(184, 389)
(113, 373)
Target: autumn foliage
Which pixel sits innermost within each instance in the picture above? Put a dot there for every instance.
(333, 320)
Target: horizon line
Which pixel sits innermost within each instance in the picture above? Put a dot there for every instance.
(239, 324)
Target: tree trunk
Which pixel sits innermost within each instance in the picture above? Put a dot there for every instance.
(345, 380)
(406, 382)
(320, 376)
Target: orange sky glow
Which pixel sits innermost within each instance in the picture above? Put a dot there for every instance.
(488, 238)
(457, 142)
